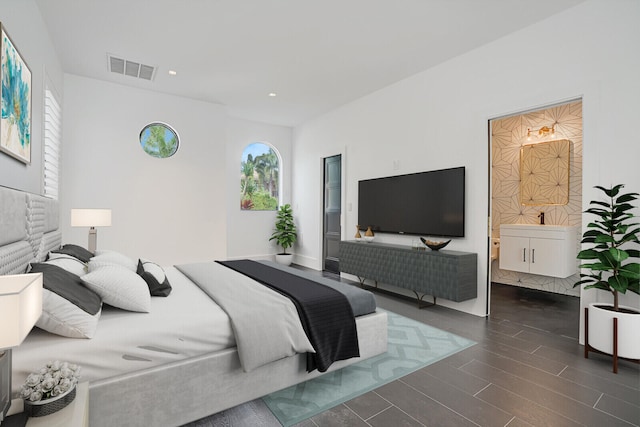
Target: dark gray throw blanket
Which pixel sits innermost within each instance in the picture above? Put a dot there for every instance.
(325, 313)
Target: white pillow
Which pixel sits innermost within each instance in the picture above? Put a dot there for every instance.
(68, 263)
(63, 318)
(120, 288)
(69, 308)
(112, 257)
(94, 264)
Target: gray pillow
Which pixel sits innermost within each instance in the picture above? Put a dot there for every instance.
(69, 308)
(155, 277)
(75, 251)
(69, 286)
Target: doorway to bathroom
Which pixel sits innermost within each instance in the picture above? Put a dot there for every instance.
(522, 187)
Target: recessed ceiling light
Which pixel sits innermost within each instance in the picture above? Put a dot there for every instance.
(272, 94)
(173, 73)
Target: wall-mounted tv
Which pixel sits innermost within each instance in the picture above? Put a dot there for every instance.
(425, 203)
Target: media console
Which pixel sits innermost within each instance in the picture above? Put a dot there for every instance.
(444, 274)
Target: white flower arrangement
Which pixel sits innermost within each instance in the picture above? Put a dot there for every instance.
(50, 381)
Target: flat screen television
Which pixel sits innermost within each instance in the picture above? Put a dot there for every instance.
(425, 203)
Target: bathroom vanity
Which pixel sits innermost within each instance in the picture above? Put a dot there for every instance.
(547, 250)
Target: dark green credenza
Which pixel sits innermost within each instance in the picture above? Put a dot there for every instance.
(444, 274)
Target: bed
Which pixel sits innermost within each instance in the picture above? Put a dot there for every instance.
(174, 364)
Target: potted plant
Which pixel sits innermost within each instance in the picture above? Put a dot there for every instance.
(612, 261)
(284, 234)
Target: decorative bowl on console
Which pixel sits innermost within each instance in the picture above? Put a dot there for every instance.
(369, 238)
(435, 245)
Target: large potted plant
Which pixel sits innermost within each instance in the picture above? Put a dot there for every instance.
(284, 234)
(613, 267)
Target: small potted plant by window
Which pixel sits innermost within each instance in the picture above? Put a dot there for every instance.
(284, 234)
(612, 261)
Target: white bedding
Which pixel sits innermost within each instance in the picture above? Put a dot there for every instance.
(266, 324)
(184, 324)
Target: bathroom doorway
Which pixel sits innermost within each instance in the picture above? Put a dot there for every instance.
(509, 197)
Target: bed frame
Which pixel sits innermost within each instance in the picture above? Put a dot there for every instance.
(171, 394)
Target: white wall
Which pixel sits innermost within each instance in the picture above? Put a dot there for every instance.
(167, 210)
(170, 210)
(181, 209)
(23, 23)
(439, 119)
(249, 231)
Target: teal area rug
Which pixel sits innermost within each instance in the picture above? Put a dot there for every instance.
(412, 345)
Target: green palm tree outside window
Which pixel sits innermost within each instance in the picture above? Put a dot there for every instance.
(259, 178)
(159, 140)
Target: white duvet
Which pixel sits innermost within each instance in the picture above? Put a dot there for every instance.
(184, 324)
(266, 324)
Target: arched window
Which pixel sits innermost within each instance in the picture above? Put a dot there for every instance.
(260, 178)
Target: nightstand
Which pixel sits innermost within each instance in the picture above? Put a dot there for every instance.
(76, 414)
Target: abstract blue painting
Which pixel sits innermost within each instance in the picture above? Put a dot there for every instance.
(15, 91)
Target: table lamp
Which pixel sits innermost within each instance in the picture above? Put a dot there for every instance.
(20, 309)
(91, 218)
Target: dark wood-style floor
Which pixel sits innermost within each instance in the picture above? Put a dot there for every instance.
(527, 369)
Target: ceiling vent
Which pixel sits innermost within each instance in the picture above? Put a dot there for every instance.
(130, 68)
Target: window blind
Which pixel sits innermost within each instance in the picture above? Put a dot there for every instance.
(52, 144)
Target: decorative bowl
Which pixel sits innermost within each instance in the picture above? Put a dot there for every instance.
(369, 238)
(435, 245)
(46, 407)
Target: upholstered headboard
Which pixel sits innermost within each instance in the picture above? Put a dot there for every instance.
(28, 229)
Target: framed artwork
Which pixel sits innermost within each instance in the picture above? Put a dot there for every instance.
(15, 92)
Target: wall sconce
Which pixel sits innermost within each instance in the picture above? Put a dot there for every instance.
(91, 218)
(542, 132)
(20, 309)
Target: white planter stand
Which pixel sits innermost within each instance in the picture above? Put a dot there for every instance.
(613, 333)
(284, 259)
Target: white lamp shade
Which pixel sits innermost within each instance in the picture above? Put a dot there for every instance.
(20, 307)
(90, 217)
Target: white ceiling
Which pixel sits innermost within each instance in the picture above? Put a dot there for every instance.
(315, 54)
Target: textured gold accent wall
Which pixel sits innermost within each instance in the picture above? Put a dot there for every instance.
(508, 137)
